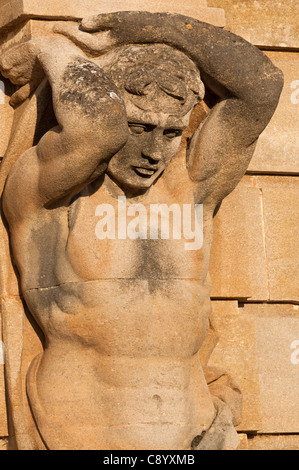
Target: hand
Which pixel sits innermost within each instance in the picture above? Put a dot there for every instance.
(98, 34)
(21, 64)
(128, 27)
(134, 27)
(91, 44)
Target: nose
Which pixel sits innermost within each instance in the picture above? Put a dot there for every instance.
(153, 149)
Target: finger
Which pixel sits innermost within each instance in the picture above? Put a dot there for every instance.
(16, 64)
(23, 73)
(20, 96)
(91, 44)
(72, 32)
(7, 60)
(101, 22)
(26, 90)
(18, 75)
(67, 28)
(14, 56)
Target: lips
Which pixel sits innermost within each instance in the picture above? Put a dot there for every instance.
(147, 172)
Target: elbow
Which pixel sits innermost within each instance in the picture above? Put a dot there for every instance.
(275, 82)
(264, 96)
(270, 87)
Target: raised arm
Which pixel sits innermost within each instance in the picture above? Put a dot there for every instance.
(92, 124)
(245, 80)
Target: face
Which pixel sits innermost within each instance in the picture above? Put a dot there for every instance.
(154, 139)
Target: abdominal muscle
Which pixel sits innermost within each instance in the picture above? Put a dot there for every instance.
(118, 377)
(119, 403)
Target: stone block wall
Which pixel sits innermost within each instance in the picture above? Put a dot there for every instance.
(254, 263)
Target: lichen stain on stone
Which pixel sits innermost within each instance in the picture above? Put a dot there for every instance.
(87, 86)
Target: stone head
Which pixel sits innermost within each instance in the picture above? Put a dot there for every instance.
(160, 87)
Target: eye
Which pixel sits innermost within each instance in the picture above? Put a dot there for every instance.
(172, 133)
(136, 128)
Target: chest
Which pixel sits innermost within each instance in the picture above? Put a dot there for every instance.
(155, 238)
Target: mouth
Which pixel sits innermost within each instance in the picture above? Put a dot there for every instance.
(145, 172)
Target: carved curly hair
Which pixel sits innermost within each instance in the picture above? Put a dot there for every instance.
(147, 71)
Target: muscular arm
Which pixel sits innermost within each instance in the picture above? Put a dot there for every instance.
(243, 77)
(92, 127)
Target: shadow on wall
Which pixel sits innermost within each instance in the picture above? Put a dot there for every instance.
(2, 92)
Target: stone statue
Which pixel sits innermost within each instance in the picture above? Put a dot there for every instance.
(119, 310)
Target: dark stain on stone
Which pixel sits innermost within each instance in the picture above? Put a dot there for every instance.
(45, 239)
(87, 86)
(152, 267)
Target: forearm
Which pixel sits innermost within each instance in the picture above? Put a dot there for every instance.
(92, 124)
(229, 64)
(226, 58)
(86, 102)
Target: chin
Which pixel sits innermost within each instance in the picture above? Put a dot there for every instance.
(135, 184)
(136, 187)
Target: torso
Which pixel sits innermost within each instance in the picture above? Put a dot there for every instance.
(124, 321)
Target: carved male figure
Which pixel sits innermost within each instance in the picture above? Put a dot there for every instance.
(124, 320)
